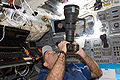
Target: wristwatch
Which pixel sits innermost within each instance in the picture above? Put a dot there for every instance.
(61, 52)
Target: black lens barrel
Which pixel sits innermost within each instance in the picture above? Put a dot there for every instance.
(71, 13)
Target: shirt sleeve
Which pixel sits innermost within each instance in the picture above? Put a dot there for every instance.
(86, 72)
(42, 75)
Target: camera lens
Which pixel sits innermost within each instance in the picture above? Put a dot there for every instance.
(71, 12)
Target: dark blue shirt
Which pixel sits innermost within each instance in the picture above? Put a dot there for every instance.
(72, 72)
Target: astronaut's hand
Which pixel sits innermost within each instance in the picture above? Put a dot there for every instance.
(80, 51)
(62, 46)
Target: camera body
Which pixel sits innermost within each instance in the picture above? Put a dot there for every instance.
(72, 47)
(71, 12)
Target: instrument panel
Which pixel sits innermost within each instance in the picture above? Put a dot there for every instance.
(105, 49)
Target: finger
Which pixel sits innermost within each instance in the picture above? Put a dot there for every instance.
(59, 44)
(66, 42)
(62, 42)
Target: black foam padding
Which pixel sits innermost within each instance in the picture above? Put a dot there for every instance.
(14, 37)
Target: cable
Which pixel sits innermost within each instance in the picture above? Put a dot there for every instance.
(14, 5)
(3, 34)
(18, 10)
(30, 73)
(23, 73)
(21, 4)
(29, 6)
(5, 16)
(24, 17)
